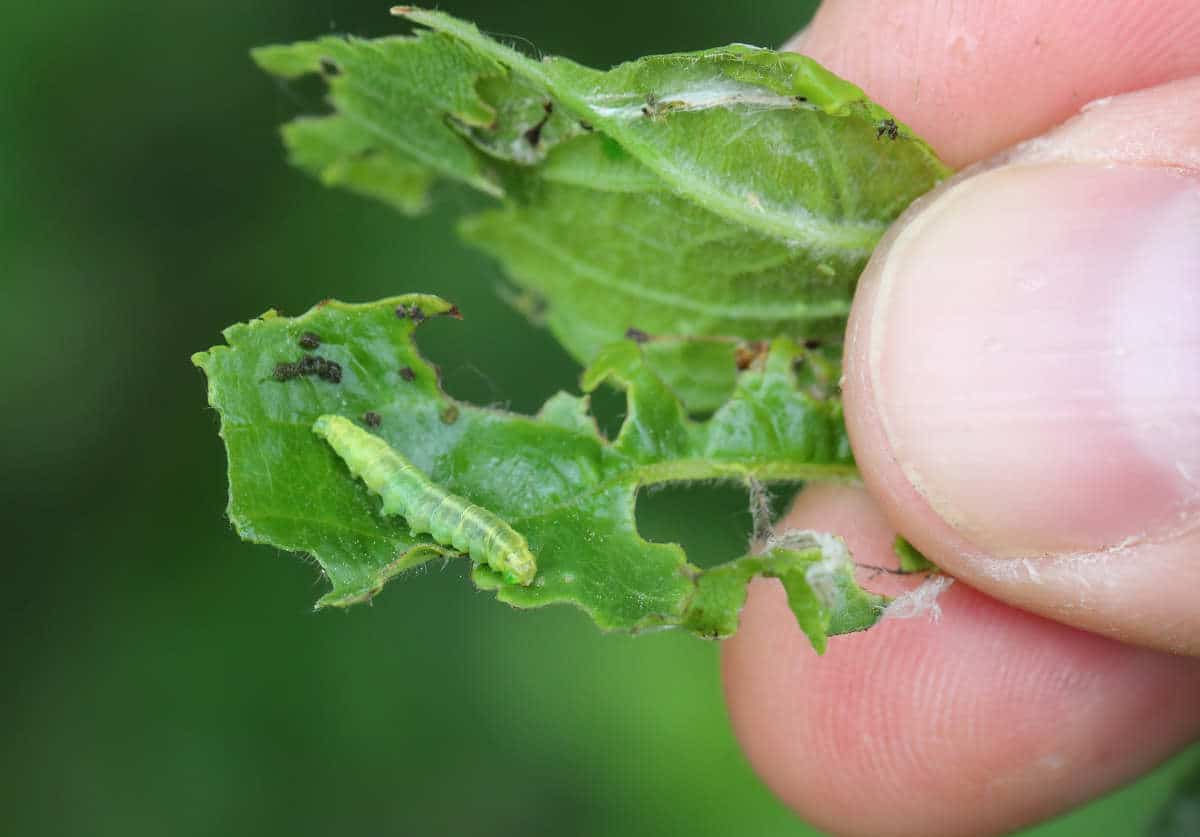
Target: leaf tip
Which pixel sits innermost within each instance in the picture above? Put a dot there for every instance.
(259, 54)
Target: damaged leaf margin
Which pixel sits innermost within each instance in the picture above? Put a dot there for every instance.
(570, 492)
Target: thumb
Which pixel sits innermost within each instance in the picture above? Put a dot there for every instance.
(1023, 372)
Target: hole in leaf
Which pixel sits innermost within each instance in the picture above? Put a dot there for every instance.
(494, 359)
(711, 521)
(308, 93)
(608, 405)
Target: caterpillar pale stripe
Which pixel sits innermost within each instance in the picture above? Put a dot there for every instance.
(428, 508)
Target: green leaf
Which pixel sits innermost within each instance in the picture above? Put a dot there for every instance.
(709, 199)
(553, 478)
(690, 226)
(408, 95)
(338, 152)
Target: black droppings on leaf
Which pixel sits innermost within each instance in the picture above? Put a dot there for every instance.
(331, 371)
(887, 128)
(372, 419)
(801, 99)
(408, 374)
(330, 68)
(326, 370)
(309, 340)
(636, 335)
(310, 365)
(411, 312)
(812, 343)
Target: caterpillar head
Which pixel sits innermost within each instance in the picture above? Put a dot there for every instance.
(519, 566)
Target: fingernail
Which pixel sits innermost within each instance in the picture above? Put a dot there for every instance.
(1035, 356)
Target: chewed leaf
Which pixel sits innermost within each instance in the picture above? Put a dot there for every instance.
(491, 483)
(732, 194)
(340, 153)
(819, 582)
(690, 226)
(405, 94)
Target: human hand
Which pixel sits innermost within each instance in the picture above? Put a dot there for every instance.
(1023, 395)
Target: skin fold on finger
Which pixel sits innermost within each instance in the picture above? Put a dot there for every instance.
(985, 721)
(975, 78)
(1072, 474)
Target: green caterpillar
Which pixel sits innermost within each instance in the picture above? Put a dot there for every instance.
(428, 508)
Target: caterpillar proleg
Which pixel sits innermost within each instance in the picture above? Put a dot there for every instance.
(428, 508)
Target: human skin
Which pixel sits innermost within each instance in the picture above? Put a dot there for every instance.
(1023, 395)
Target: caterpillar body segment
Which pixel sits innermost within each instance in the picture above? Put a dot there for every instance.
(406, 492)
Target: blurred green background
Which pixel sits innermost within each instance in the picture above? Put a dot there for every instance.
(159, 676)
